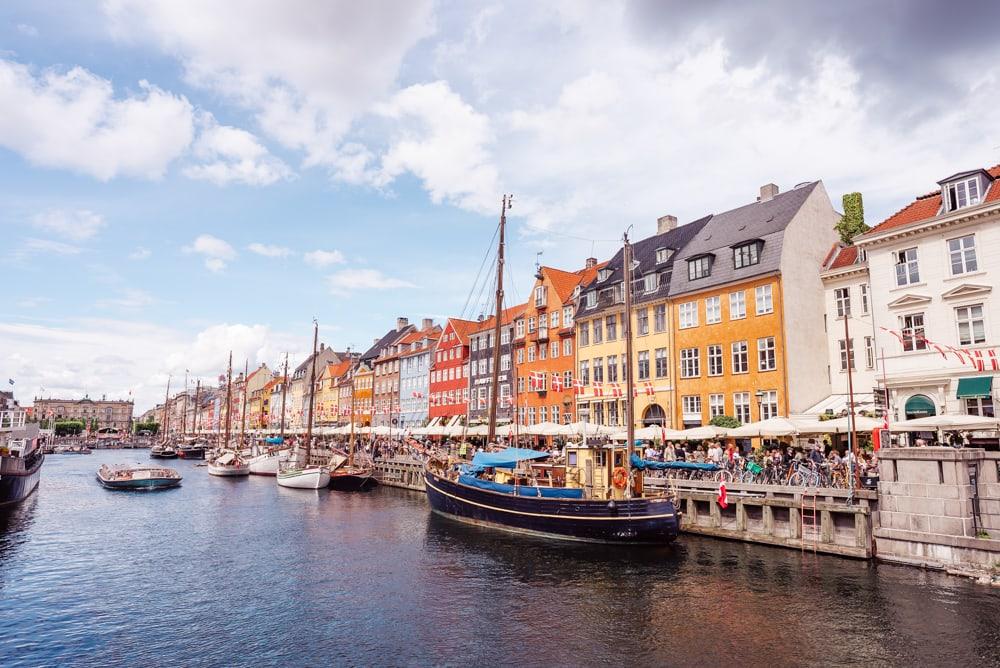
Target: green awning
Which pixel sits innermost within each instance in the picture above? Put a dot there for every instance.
(975, 388)
(919, 406)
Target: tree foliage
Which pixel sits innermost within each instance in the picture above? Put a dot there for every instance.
(852, 223)
(68, 427)
(151, 427)
(725, 421)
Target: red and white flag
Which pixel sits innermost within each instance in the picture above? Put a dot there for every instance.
(616, 390)
(578, 386)
(598, 390)
(557, 383)
(649, 388)
(722, 495)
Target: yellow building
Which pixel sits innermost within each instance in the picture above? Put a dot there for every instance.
(748, 330)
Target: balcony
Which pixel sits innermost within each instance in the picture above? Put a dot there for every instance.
(543, 333)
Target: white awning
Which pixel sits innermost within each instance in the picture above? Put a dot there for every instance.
(837, 403)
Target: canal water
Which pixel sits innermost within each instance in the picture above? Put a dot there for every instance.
(240, 572)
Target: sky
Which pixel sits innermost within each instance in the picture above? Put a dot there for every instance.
(181, 178)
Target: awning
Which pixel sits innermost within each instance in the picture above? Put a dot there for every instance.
(919, 406)
(975, 388)
(506, 459)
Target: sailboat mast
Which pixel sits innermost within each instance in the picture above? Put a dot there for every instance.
(229, 397)
(184, 415)
(243, 413)
(284, 392)
(312, 393)
(498, 313)
(350, 450)
(629, 379)
(197, 403)
(166, 414)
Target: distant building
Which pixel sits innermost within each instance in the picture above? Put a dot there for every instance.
(416, 349)
(385, 364)
(114, 414)
(449, 380)
(481, 356)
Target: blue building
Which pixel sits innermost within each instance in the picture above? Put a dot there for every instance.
(415, 350)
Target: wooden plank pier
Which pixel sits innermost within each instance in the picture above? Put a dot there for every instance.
(400, 471)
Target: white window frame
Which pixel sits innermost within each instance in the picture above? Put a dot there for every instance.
(687, 315)
(906, 263)
(740, 357)
(737, 305)
(960, 193)
(965, 253)
(863, 288)
(741, 407)
(716, 405)
(969, 321)
(764, 298)
(842, 299)
(715, 360)
(767, 351)
(690, 361)
(713, 310)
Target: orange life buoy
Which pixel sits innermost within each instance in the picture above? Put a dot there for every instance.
(619, 477)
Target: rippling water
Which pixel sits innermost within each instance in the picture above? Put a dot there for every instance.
(225, 572)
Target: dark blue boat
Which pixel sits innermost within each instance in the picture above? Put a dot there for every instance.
(541, 511)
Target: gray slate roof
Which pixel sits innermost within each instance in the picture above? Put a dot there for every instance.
(761, 220)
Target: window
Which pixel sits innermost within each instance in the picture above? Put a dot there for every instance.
(611, 325)
(715, 360)
(687, 315)
(531, 324)
(505, 336)
(531, 415)
(584, 333)
(474, 345)
(613, 414)
(520, 355)
(843, 298)
(603, 275)
(519, 328)
(963, 193)
(691, 405)
(699, 267)
(567, 316)
(505, 363)
(962, 253)
(554, 349)
(598, 331)
(660, 357)
(713, 310)
(737, 305)
(543, 351)
(765, 354)
(567, 380)
(741, 406)
(769, 405)
(585, 372)
(864, 298)
(764, 301)
(690, 363)
(662, 255)
(912, 330)
(650, 282)
(746, 254)
(554, 319)
(716, 405)
(555, 413)
(612, 368)
(644, 365)
(598, 366)
(532, 351)
(567, 347)
(660, 318)
(642, 321)
(741, 362)
(540, 295)
(907, 272)
(846, 353)
(971, 327)
(520, 387)
(869, 352)
(983, 407)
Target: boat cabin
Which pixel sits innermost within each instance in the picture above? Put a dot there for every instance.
(592, 465)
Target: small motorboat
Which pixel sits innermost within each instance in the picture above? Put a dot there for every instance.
(229, 464)
(304, 477)
(163, 451)
(137, 477)
(191, 451)
(71, 450)
(353, 478)
(267, 463)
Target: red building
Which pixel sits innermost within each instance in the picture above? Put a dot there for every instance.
(449, 384)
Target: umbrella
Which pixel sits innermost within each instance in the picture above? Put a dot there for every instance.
(840, 425)
(547, 429)
(581, 428)
(935, 422)
(382, 430)
(706, 433)
(649, 434)
(776, 426)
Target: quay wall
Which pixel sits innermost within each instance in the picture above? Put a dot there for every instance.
(403, 472)
(939, 508)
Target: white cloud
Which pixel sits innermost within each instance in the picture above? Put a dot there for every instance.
(347, 281)
(73, 120)
(217, 253)
(322, 258)
(33, 246)
(140, 253)
(27, 29)
(129, 298)
(231, 155)
(268, 250)
(75, 225)
(306, 68)
(32, 302)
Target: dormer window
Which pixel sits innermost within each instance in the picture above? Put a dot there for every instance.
(603, 275)
(747, 254)
(650, 282)
(591, 300)
(699, 267)
(662, 255)
(964, 193)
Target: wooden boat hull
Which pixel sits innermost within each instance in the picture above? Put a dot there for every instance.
(191, 453)
(228, 471)
(170, 454)
(267, 464)
(313, 477)
(147, 484)
(352, 482)
(634, 521)
(17, 484)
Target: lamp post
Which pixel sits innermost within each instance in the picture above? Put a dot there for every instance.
(760, 404)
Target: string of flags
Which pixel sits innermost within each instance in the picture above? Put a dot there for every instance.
(978, 359)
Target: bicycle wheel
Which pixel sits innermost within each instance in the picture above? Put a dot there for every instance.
(796, 480)
(724, 476)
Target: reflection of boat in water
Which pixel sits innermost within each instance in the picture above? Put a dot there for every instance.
(596, 495)
(137, 477)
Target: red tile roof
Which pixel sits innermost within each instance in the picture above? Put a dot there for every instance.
(841, 256)
(563, 282)
(463, 328)
(509, 315)
(927, 206)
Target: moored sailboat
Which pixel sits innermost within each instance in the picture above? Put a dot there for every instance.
(228, 463)
(268, 461)
(595, 496)
(301, 474)
(352, 475)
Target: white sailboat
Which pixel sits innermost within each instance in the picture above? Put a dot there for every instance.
(270, 460)
(301, 475)
(228, 463)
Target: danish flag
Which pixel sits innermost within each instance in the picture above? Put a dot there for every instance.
(616, 390)
(578, 386)
(648, 387)
(598, 389)
(557, 382)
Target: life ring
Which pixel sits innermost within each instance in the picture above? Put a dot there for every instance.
(619, 477)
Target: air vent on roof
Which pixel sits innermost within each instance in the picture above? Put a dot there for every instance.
(742, 227)
(800, 185)
(770, 218)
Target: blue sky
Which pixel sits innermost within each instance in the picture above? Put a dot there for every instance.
(181, 178)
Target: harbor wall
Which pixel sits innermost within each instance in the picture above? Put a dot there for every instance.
(940, 508)
(403, 472)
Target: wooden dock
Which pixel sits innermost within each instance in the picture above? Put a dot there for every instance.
(402, 471)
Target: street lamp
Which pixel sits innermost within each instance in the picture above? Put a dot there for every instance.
(760, 403)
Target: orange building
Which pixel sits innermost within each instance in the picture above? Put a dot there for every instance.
(544, 346)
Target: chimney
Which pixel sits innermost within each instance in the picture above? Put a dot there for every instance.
(665, 224)
(322, 347)
(426, 323)
(401, 324)
(767, 192)
(591, 262)
(374, 340)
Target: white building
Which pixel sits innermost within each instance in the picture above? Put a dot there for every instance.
(933, 268)
(847, 291)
